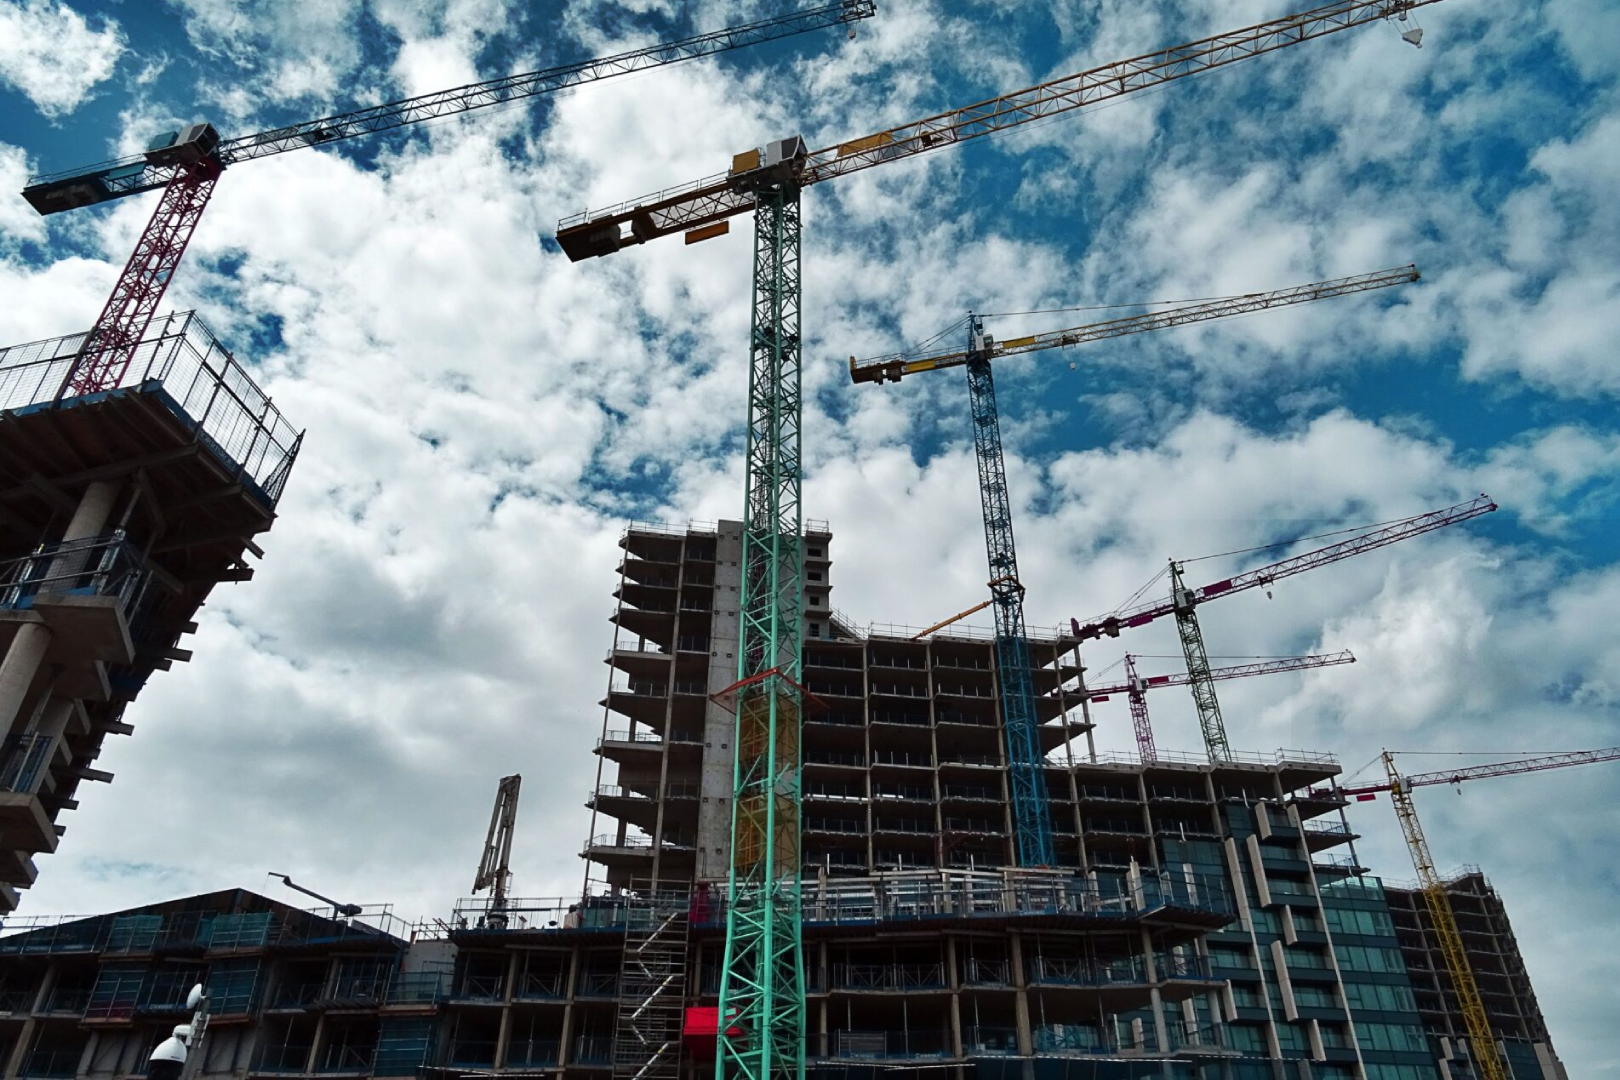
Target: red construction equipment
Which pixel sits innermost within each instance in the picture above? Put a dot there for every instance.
(187, 165)
(1136, 687)
(1183, 603)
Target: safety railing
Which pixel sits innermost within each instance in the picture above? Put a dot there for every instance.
(622, 735)
(290, 1058)
(540, 985)
(902, 792)
(204, 386)
(1236, 757)
(480, 988)
(904, 719)
(970, 793)
(888, 976)
(472, 1053)
(980, 972)
(836, 718)
(95, 566)
(592, 1050)
(20, 1000)
(51, 1064)
(890, 1044)
(346, 1058)
(990, 1040)
(1068, 1039)
(902, 825)
(533, 1052)
(842, 826)
(418, 987)
(597, 984)
(959, 716)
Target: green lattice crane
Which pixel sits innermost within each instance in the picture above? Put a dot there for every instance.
(1020, 720)
(1184, 602)
(762, 1010)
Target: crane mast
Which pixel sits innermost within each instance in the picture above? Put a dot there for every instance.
(1007, 592)
(1445, 928)
(1026, 764)
(187, 166)
(1136, 694)
(762, 1011)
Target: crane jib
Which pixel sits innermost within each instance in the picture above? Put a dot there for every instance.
(603, 232)
(86, 186)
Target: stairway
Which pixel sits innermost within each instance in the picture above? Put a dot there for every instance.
(652, 990)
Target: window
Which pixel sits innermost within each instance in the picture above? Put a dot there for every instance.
(816, 553)
(815, 629)
(1396, 1037)
(1369, 958)
(1290, 1037)
(813, 575)
(1314, 997)
(1371, 997)
(1249, 1039)
(1372, 923)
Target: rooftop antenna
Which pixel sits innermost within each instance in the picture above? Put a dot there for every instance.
(342, 911)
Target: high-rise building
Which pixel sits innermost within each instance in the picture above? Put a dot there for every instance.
(1201, 918)
(119, 511)
(1499, 972)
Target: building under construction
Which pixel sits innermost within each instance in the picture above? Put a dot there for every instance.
(120, 510)
(1499, 971)
(1203, 921)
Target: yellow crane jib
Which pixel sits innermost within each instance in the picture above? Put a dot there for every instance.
(896, 366)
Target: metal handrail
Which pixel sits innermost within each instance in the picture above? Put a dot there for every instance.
(94, 566)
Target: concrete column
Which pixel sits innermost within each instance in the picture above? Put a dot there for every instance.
(1015, 957)
(18, 670)
(95, 507)
(1151, 969)
(19, 1051)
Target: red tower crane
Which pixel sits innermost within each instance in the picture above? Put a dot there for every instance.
(1135, 687)
(1183, 602)
(187, 165)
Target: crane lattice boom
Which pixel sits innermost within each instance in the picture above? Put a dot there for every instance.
(54, 192)
(720, 197)
(1382, 536)
(898, 365)
(1235, 671)
(1498, 768)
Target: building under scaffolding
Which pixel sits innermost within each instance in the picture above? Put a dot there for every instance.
(119, 511)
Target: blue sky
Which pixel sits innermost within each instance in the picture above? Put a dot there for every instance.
(484, 416)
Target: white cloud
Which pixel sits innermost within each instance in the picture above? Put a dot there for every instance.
(482, 415)
(50, 53)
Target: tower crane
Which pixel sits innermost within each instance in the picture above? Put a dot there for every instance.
(1013, 666)
(1135, 687)
(1183, 602)
(186, 165)
(494, 869)
(1444, 920)
(762, 1001)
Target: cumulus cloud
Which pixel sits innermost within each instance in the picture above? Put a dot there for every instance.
(483, 416)
(52, 54)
